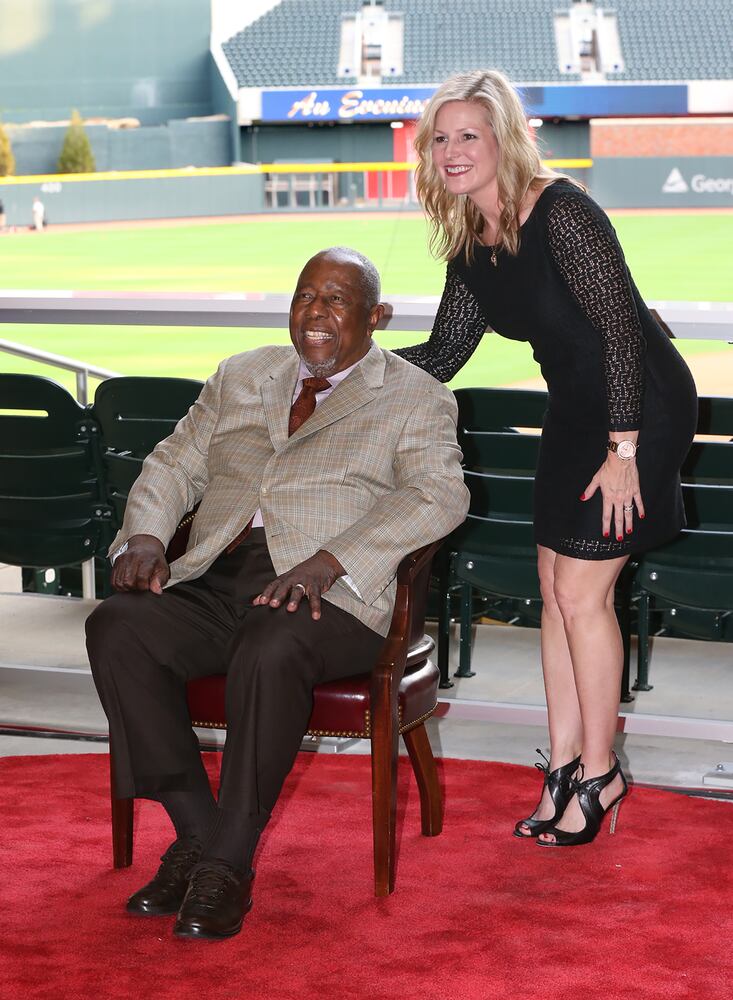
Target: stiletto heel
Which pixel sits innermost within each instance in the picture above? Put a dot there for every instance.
(558, 784)
(614, 814)
(589, 800)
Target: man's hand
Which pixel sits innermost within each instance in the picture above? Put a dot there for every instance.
(310, 579)
(142, 566)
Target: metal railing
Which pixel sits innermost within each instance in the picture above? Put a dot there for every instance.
(82, 369)
(682, 320)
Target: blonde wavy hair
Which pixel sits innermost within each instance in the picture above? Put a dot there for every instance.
(455, 220)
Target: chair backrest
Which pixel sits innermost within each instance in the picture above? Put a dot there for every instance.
(491, 409)
(715, 415)
(51, 505)
(134, 414)
(498, 429)
(494, 549)
(499, 497)
(711, 461)
(708, 506)
(38, 414)
(695, 569)
(500, 458)
(505, 452)
(708, 462)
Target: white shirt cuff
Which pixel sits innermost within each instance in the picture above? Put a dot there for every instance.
(349, 582)
(122, 548)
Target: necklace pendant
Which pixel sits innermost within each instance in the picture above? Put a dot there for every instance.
(493, 256)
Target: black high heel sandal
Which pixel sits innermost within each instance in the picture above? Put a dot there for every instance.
(558, 784)
(589, 799)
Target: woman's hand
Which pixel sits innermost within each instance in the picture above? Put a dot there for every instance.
(618, 481)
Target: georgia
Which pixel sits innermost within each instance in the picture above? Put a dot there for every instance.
(704, 185)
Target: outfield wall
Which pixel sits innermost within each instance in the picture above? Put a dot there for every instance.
(140, 198)
(616, 182)
(177, 143)
(663, 181)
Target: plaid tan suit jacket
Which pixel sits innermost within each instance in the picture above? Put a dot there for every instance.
(372, 475)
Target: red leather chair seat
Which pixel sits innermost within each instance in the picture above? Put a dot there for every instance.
(341, 707)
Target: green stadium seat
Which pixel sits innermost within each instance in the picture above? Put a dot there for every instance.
(134, 413)
(494, 551)
(52, 509)
(693, 574)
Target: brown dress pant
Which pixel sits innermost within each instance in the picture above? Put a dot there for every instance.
(143, 648)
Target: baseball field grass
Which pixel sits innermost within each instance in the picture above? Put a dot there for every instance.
(675, 257)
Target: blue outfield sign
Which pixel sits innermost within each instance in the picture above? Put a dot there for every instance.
(330, 104)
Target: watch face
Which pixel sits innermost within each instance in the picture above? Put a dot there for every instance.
(626, 449)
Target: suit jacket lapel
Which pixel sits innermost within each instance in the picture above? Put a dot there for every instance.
(277, 395)
(358, 388)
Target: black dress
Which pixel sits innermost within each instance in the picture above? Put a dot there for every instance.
(608, 366)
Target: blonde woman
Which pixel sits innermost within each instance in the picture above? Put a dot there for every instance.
(530, 253)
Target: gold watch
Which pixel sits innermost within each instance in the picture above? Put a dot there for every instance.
(625, 449)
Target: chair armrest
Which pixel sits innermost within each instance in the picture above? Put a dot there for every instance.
(179, 542)
(413, 575)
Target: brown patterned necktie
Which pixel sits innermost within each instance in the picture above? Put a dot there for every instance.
(305, 404)
(301, 409)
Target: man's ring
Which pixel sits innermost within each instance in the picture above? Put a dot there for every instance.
(629, 508)
(299, 585)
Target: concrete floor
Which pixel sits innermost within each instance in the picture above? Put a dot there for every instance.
(671, 736)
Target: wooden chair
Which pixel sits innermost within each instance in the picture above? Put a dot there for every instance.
(396, 699)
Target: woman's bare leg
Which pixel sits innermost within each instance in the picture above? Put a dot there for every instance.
(563, 708)
(584, 592)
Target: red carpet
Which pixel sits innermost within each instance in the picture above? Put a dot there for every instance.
(477, 914)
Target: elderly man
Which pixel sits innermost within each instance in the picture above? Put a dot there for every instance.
(316, 470)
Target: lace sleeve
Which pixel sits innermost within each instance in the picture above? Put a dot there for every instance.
(587, 254)
(458, 328)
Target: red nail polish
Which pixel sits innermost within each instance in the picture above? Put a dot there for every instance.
(629, 530)
(619, 538)
(582, 496)
(606, 534)
(641, 516)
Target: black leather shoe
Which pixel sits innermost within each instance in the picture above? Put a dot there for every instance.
(216, 902)
(163, 895)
